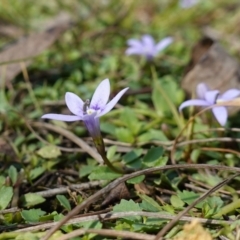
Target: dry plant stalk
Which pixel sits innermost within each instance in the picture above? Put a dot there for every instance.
(193, 231)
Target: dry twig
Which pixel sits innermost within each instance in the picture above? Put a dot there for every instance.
(71, 137)
(110, 216)
(115, 183)
(198, 200)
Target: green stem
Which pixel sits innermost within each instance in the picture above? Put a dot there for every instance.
(29, 86)
(172, 107)
(228, 208)
(9, 235)
(99, 144)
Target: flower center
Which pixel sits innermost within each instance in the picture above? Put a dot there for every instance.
(90, 111)
(86, 109)
(148, 50)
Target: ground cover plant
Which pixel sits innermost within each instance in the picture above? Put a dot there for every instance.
(102, 134)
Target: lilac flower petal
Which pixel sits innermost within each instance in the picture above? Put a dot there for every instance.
(187, 3)
(230, 94)
(193, 102)
(211, 96)
(74, 103)
(220, 114)
(148, 41)
(112, 103)
(202, 88)
(92, 124)
(101, 95)
(62, 117)
(134, 43)
(163, 44)
(135, 51)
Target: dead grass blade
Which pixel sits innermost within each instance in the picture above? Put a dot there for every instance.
(28, 47)
(115, 183)
(198, 200)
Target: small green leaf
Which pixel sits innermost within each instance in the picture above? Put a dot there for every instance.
(49, 152)
(124, 135)
(176, 202)
(136, 180)
(103, 173)
(135, 164)
(153, 154)
(111, 152)
(172, 91)
(13, 174)
(65, 228)
(6, 194)
(32, 215)
(36, 172)
(168, 208)
(132, 155)
(2, 180)
(4, 106)
(195, 155)
(152, 134)
(154, 206)
(154, 157)
(32, 199)
(215, 201)
(29, 235)
(92, 225)
(211, 206)
(130, 120)
(86, 170)
(188, 197)
(108, 128)
(91, 162)
(64, 202)
(48, 217)
(127, 206)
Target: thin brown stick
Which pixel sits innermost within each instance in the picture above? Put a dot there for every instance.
(10, 210)
(64, 149)
(127, 146)
(206, 186)
(29, 85)
(234, 102)
(169, 145)
(200, 189)
(71, 137)
(220, 150)
(61, 190)
(175, 142)
(108, 232)
(220, 139)
(111, 216)
(167, 227)
(115, 183)
(218, 130)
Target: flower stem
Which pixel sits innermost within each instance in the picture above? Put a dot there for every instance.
(228, 208)
(172, 107)
(99, 144)
(29, 86)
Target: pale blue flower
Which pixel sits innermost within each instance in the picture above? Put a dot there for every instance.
(147, 46)
(89, 112)
(208, 98)
(187, 3)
